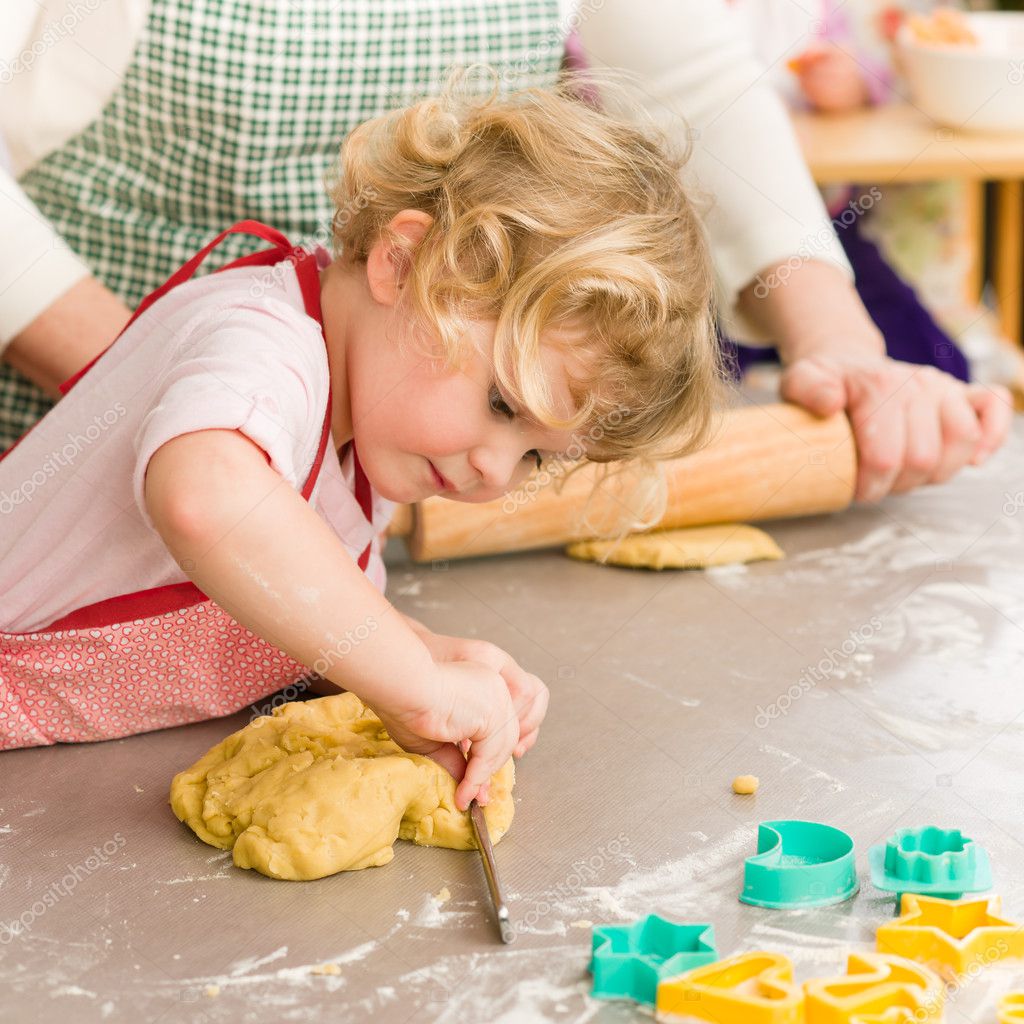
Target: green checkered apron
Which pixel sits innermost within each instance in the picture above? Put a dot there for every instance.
(234, 109)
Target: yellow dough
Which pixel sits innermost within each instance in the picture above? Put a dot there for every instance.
(696, 547)
(319, 787)
(745, 785)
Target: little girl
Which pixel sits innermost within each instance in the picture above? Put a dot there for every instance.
(197, 523)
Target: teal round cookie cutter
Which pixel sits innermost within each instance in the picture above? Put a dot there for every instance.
(930, 861)
(628, 960)
(799, 864)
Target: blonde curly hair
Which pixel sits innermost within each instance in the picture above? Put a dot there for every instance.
(549, 216)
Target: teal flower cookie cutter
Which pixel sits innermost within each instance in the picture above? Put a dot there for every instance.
(629, 960)
(799, 864)
(930, 861)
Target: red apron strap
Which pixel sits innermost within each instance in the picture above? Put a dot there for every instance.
(173, 596)
(364, 495)
(185, 271)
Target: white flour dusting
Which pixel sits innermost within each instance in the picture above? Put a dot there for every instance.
(680, 887)
(686, 702)
(72, 990)
(791, 761)
(251, 963)
(435, 913)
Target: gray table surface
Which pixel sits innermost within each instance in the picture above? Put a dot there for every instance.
(898, 628)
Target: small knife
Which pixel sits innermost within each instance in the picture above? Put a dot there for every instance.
(483, 841)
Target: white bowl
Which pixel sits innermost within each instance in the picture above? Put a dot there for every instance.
(977, 88)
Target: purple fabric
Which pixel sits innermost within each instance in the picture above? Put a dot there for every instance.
(910, 333)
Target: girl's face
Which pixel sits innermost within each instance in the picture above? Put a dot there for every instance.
(422, 430)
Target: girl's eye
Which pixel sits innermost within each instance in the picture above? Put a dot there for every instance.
(499, 405)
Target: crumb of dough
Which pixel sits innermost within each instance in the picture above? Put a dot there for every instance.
(443, 896)
(212, 991)
(137, 788)
(745, 784)
(325, 969)
(581, 924)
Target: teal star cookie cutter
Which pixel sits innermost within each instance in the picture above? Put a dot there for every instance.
(628, 960)
(930, 861)
(799, 864)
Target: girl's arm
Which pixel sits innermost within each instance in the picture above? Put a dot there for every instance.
(252, 544)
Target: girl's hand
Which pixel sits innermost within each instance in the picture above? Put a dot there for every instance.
(830, 79)
(468, 701)
(529, 694)
(913, 424)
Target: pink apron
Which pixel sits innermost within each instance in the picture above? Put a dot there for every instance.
(164, 656)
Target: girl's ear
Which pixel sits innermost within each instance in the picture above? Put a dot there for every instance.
(388, 262)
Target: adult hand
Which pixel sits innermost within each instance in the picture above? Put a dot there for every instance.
(913, 424)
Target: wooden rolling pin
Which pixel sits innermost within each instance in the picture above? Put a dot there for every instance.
(765, 462)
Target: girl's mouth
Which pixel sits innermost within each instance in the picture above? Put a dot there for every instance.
(441, 481)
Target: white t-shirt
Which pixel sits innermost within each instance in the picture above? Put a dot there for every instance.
(233, 350)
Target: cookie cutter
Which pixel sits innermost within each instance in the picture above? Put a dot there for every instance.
(628, 961)
(876, 987)
(952, 936)
(799, 864)
(1011, 1008)
(752, 988)
(930, 861)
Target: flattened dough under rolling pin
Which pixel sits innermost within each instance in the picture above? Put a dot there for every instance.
(695, 547)
(319, 787)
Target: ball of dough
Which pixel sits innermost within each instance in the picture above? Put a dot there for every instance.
(745, 785)
(319, 787)
(697, 547)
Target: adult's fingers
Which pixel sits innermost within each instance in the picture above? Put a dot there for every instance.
(923, 452)
(880, 429)
(818, 388)
(961, 433)
(993, 405)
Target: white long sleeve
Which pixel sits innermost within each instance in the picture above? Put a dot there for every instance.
(59, 63)
(36, 267)
(697, 77)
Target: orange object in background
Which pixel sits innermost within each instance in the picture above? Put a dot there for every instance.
(943, 27)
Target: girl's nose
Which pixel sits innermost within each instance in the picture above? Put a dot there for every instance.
(500, 467)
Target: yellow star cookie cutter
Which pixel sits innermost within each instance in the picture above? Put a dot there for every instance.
(1011, 1008)
(876, 988)
(952, 936)
(753, 988)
